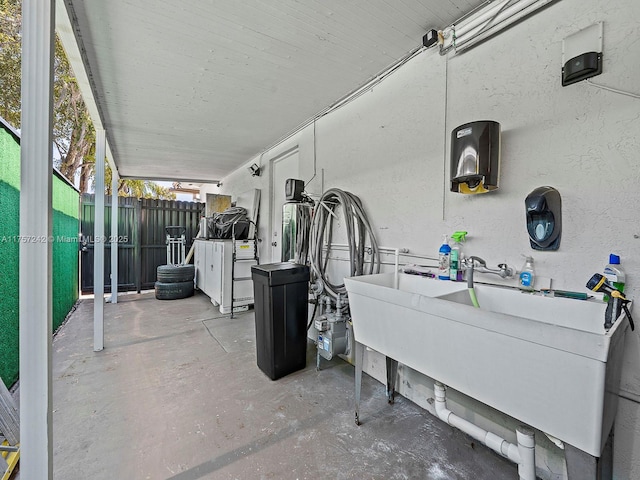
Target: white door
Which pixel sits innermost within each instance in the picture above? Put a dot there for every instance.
(282, 168)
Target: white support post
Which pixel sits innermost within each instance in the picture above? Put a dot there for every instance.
(114, 235)
(98, 246)
(36, 429)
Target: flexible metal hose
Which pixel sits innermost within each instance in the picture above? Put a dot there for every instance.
(302, 234)
(358, 230)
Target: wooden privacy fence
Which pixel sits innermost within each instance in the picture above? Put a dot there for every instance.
(141, 238)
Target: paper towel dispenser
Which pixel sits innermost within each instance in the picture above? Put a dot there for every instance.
(475, 157)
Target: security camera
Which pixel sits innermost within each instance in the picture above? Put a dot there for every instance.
(254, 170)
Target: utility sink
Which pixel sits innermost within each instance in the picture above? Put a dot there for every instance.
(581, 315)
(547, 362)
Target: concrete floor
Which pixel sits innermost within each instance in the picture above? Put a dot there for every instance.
(176, 394)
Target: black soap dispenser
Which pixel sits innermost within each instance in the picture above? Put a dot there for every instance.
(544, 218)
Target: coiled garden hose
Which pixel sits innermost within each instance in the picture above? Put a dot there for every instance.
(358, 230)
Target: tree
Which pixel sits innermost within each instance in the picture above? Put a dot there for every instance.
(73, 131)
(137, 188)
(10, 61)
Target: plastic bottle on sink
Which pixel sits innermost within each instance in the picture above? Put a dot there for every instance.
(444, 255)
(455, 257)
(527, 274)
(614, 274)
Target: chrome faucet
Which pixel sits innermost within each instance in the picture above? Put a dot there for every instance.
(469, 264)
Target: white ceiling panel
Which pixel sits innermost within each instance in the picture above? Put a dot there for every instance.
(191, 90)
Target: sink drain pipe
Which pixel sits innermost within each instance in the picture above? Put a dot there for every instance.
(523, 453)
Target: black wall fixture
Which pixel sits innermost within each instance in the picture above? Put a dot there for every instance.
(475, 157)
(582, 54)
(544, 218)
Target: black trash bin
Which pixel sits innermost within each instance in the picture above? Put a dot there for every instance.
(280, 292)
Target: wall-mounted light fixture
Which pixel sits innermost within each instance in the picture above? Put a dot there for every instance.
(254, 170)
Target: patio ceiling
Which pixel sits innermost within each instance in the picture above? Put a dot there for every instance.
(192, 90)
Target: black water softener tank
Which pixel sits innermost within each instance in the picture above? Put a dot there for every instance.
(280, 292)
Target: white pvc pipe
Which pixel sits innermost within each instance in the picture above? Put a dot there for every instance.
(477, 20)
(396, 252)
(523, 453)
(396, 268)
(504, 15)
(509, 16)
(466, 33)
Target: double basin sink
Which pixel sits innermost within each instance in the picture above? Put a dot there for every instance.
(547, 362)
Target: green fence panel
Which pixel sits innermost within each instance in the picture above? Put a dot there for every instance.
(9, 251)
(65, 228)
(65, 249)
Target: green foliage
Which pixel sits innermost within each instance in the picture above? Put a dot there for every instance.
(10, 58)
(73, 131)
(137, 188)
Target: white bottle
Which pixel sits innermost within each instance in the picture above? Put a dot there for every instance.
(527, 274)
(614, 274)
(444, 255)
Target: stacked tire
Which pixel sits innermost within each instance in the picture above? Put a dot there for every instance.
(174, 282)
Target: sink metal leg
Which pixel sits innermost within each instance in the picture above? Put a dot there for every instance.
(317, 360)
(582, 466)
(359, 363)
(392, 373)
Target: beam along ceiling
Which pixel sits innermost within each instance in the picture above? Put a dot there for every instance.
(192, 90)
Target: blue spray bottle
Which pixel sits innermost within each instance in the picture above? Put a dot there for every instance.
(444, 255)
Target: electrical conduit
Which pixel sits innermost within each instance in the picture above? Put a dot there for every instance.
(394, 250)
(522, 454)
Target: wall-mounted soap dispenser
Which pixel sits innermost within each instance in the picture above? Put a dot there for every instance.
(544, 218)
(475, 157)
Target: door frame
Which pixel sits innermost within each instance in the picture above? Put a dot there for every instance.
(272, 163)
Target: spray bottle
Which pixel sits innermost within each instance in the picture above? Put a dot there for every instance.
(455, 272)
(444, 255)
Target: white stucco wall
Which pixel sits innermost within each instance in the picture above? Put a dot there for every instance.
(390, 147)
